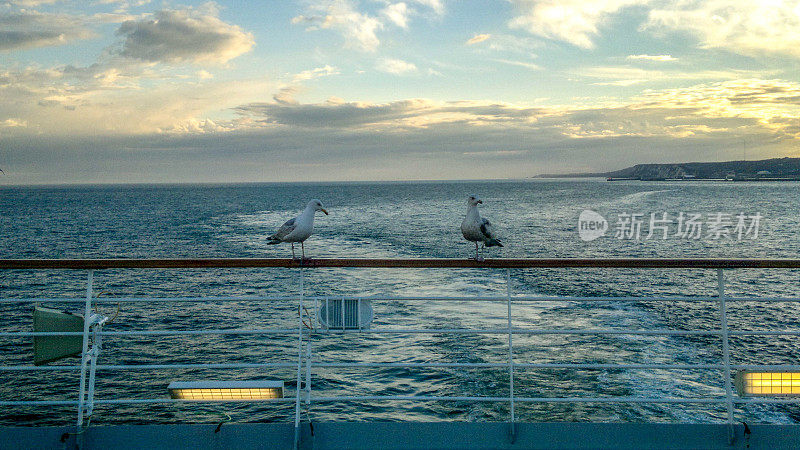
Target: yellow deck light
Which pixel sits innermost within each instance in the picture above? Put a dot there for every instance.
(226, 390)
(779, 384)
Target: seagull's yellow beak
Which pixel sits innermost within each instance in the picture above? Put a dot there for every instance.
(324, 210)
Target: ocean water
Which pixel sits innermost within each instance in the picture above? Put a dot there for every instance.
(535, 218)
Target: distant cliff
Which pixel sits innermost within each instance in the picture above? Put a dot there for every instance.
(765, 168)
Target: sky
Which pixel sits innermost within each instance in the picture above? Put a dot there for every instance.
(115, 91)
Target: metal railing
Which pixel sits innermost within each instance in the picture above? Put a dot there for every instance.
(304, 334)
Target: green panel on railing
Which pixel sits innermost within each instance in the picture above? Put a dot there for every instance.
(52, 348)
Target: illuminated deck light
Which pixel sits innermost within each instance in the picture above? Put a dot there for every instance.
(778, 384)
(225, 390)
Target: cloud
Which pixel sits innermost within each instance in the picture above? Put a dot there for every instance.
(397, 13)
(318, 72)
(628, 76)
(117, 17)
(506, 43)
(413, 138)
(357, 29)
(577, 22)
(24, 30)
(478, 38)
(434, 73)
(399, 115)
(187, 35)
(13, 123)
(739, 26)
(287, 92)
(124, 5)
(74, 101)
(435, 5)
(360, 29)
(775, 104)
(29, 3)
(395, 66)
(658, 58)
(722, 111)
(524, 64)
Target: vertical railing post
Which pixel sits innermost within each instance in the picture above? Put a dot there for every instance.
(299, 362)
(512, 427)
(726, 353)
(308, 368)
(308, 359)
(94, 353)
(85, 353)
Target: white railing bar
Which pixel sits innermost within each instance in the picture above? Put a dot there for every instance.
(287, 331)
(147, 299)
(526, 366)
(397, 365)
(766, 366)
(532, 331)
(135, 401)
(148, 366)
(776, 367)
(421, 399)
(39, 403)
(11, 334)
(765, 333)
(388, 331)
(397, 298)
(426, 398)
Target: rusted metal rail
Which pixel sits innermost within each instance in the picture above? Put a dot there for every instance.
(411, 263)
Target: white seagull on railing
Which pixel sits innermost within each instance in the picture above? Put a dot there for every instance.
(477, 229)
(299, 228)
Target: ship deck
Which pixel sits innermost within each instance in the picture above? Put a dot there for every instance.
(408, 435)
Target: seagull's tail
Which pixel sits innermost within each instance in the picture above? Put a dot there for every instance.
(273, 241)
(493, 243)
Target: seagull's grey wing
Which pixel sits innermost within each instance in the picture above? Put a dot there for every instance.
(284, 230)
(489, 237)
(487, 229)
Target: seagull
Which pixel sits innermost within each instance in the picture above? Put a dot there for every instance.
(477, 229)
(299, 228)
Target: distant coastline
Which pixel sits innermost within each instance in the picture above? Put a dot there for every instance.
(775, 169)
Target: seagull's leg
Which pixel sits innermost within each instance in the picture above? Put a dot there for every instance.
(303, 248)
(477, 258)
(293, 257)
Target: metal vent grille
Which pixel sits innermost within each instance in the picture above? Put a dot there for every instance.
(345, 314)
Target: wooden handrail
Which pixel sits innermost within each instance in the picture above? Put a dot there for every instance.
(413, 263)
